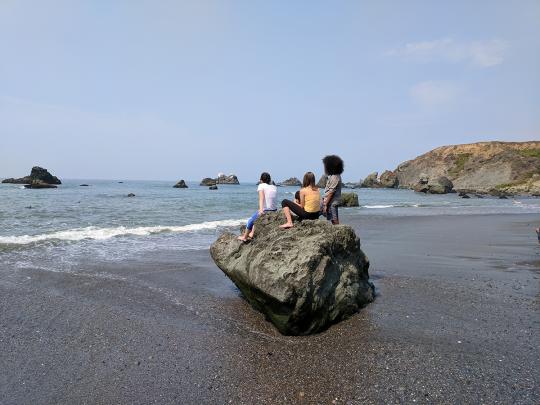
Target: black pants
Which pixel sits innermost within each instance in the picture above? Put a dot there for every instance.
(299, 211)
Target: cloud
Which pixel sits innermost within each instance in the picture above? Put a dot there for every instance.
(435, 93)
(482, 54)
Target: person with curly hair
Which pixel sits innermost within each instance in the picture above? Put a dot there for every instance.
(333, 168)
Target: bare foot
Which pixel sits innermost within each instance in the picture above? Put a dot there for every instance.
(242, 238)
(287, 225)
(251, 235)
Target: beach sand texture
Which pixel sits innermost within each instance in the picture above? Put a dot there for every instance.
(456, 320)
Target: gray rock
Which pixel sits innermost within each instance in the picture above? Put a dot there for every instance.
(230, 179)
(214, 187)
(180, 184)
(371, 181)
(293, 181)
(322, 181)
(131, 195)
(303, 279)
(207, 181)
(440, 185)
(36, 174)
(388, 179)
(84, 185)
(349, 200)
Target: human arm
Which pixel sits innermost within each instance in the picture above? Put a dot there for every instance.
(302, 198)
(261, 201)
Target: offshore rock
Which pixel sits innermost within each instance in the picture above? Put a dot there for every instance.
(39, 184)
(349, 200)
(322, 181)
(371, 181)
(207, 181)
(180, 184)
(303, 279)
(293, 181)
(36, 174)
(230, 179)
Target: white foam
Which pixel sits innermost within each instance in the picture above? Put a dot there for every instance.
(378, 206)
(92, 232)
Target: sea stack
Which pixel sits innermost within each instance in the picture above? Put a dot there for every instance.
(37, 174)
(304, 279)
(180, 184)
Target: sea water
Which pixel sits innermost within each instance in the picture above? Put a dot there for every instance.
(100, 223)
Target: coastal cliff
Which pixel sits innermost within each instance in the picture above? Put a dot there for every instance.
(512, 167)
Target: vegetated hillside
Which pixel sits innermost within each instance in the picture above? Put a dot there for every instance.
(482, 166)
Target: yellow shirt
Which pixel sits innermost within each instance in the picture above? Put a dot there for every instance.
(312, 200)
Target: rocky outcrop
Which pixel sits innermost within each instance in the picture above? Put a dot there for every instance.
(478, 167)
(131, 195)
(180, 184)
(36, 174)
(220, 179)
(214, 187)
(388, 179)
(293, 182)
(304, 278)
(349, 200)
(438, 185)
(207, 181)
(230, 179)
(322, 181)
(371, 181)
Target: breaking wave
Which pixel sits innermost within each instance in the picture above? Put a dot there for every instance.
(92, 232)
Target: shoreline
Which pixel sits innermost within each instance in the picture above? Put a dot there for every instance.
(455, 320)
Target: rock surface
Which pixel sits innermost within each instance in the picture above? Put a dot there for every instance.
(214, 187)
(349, 200)
(371, 181)
(303, 279)
(478, 167)
(36, 174)
(131, 195)
(293, 181)
(180, 184)
(388, 179)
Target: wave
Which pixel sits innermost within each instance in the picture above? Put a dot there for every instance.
(378, 206)
(95, 233)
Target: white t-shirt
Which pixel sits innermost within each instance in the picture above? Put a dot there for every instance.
(270, 193)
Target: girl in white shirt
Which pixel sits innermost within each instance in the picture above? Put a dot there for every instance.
(267, 202)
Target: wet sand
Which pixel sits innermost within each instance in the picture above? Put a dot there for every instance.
(456, 320)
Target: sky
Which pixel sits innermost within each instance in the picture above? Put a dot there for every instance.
(164, 90)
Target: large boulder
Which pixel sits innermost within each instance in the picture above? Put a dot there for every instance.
(304, 278)
(36, 174)
(371, 181)
(388, 179)
(207, 181)
(230, 179)
(440, 185)
(437, 185)
(180, 184)
(349, 200)
(293, 181)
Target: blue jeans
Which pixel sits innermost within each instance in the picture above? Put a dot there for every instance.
(253, 218)
(332, 212)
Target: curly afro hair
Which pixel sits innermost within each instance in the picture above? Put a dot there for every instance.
(333, 164)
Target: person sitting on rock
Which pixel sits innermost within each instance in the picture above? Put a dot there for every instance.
(309, 205)
(333, 168)
(267, 202)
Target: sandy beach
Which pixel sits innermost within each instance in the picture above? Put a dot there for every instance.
(456, 320)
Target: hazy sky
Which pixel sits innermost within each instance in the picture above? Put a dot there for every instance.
(179, 89)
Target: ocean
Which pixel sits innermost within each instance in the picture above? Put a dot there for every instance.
(61, 228)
